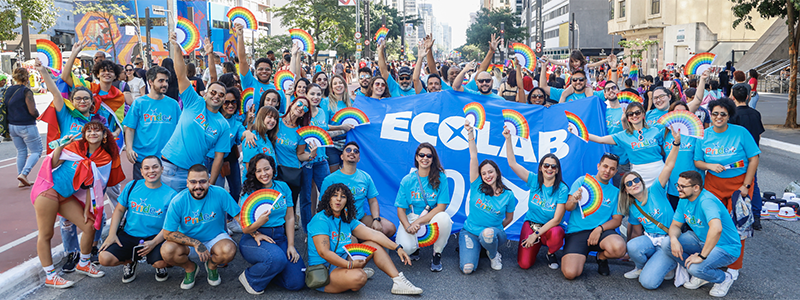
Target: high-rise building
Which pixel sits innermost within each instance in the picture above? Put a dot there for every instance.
(411, 11)
(589, 34)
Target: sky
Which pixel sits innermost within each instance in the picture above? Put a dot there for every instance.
(456, 14)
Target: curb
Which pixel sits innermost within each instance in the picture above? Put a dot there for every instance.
(26, 277)
(780, 145)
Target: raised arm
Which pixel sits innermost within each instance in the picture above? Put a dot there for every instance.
(458, 81)
(607, 139)
(669, 164)
(612, 67)
(543, 77)
(382, 60)
(294, 64)
(418, 69)
(66, 74)
(429, 56)
(599, 63)
(521, 172)
(241, 51)
(180, 64)
(474, 171)
(520, 85)
(493, 44)
(208, 46)
(698, 96)
(58, 100)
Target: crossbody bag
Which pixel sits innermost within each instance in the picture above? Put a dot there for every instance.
(651, 218)
(318, 276)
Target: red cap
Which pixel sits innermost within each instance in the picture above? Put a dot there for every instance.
(527, 83)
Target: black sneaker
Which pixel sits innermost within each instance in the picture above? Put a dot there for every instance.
(129, 272)
(757, 223)
(162, 274)
(94, 258)
(436, 262)
(602, 267)
(552, 261)
(414, 256)
(72, 261)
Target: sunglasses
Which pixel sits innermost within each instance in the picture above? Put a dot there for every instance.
(717, 114)
(549, 166)
(129, 70)
(300, 104)
(202, 181)
(579, 79)
(352, 150)
(229, 102)
(424, 155)
(405, 77)
(214, 93)
(365, 77)
(535, 96)
(634, 113)
(612, 88)
(630, 183)
(380, 84)
(483, 80)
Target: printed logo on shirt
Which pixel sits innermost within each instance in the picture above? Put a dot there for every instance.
(341, 236)
(143, 208)
(198, 217)
(75, 127)
(280, 204)
(655, 214)
(541, 203)
(418, 195)
(266, 150)
(692, 220)
(282, 140)
(719, 150)
(156, 117)
(612, 123)
(684, 146)
(486, 207)
(644, 144)
(200, 119)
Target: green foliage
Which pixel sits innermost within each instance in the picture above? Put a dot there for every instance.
(637, 46)
(471, 52)
(327, 22)
(488, 22)
(275, 43)
(765, 8)
(38, 11)
(110, 12)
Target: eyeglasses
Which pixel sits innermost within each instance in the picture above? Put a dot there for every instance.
(718, 114)
(483, 80)
(681, 187)
(201, 181)
(229, 102)
(634, 113)
(364, 77)
(630, 183)
(537, 96)
(380, 84)
(405, 77)
(425, 155)
(81, 99)
(612, 88)
(641, 136)
(549, 166)
(214, 93)
(352, 150)
(662, 97)
(579, 79)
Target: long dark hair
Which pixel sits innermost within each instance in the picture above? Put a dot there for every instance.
(558, 180)
(326, 91)
(108, 144)
(488, 189)
(348, 213)
(436, 165)
(369, 92)
(251, 183)
(303, 120)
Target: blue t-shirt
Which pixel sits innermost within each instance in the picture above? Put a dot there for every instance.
(705, 208)
(614, 125)
(487, 211)
(69, 124)
(726, 148)
(325, 105)
(360, 184)
(446, 86)
(263, 145)
(335, 229)
(641, 148)
(490, 95)
(286, 145)
(154, 122)
(657, 206)
(202, 219)
(321, 121)
(542, 202)
(653, 115)
(249, 81)
(555, 95)
(234, 132)
(147, 208)
(409, 194)
(278, 215)
(397, 91)
(684, 162)
(67, 171)
(607, 209)
(199, 131)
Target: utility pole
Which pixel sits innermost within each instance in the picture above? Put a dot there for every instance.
(528, 22)
(539, 22)
(502, 47)
(367, 28)
(148, 26)
(572, 31)
(358, 29)
(26, 38)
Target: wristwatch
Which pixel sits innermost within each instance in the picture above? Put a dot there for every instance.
(747, 186)
(398, 247)
(376, 219)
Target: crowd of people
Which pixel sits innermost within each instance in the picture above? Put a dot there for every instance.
(189, 136)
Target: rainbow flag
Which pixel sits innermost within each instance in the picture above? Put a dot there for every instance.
(634, 73)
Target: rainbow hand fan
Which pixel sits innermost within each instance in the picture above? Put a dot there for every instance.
(316, 136)
(302, 38)
(282, 78)
(247, 95)
(736, 165)
(428, 234)
(258, 203)
(350, 115)
(626, 98)
(591, 196)
(576, 126)
(242, 15)
(187, 34)
(684, 121)
(49, 54)
(359, 251)
(699, 63)
(475, 114)
(517, 123)
(381, 34)
(525, 55)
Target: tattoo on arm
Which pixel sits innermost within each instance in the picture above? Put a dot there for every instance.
(201, 248)
(325, 245)
(182, 239)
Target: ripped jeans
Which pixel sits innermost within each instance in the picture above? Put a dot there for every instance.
(469, 245)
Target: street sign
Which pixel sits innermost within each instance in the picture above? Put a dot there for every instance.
(358, 47)
(538, 48)
(358, 35)
(158, 10)
(366, 42)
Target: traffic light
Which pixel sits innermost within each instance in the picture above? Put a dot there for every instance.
(571, 25)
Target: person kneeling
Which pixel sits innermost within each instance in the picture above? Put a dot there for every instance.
(332, 228)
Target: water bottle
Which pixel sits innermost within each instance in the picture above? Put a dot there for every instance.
(136, 249)
(59, 142)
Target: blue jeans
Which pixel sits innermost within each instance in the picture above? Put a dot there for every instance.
(755, 199)
(26, 137)
(753, 100)
(711, 268)
(174, 176)
(315, 172)
(270, 261)
(468, 253)
(69, 234)
(651, 259)
(234, 179)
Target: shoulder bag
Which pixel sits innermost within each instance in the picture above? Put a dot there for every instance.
(318, 276)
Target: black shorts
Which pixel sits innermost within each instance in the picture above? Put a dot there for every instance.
(125, 253)
(577, 242)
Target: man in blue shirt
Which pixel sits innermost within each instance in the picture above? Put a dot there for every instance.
(397, 89)
(150, 121)
(712, 244)
(364, 78)
(261, 81)
(483, 80)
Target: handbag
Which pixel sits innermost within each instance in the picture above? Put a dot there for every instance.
(292, 176)
(318, 276)
(651, 218)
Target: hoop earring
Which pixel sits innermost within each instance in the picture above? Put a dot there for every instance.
(104, 140)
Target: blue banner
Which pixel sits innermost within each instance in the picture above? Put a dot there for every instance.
(398, 125)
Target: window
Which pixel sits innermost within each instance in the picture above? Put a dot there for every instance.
(221, 24)
(551, 34)
(556, 13)
(622, 9)
(611, 10)
(655, 7)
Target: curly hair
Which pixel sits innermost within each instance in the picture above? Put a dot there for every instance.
(108, 144)
(348, 213)
(251, 183)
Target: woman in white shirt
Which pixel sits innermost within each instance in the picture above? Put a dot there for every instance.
(136, 84)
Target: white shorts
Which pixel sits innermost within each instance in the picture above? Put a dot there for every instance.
(210, 243)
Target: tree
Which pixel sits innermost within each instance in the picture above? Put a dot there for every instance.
(471, 52)
(636, 48)
(108, 11)
(275, 43)
(39, 11)
(488, 23)
(787, 9)
(394, 23)
(324, 20)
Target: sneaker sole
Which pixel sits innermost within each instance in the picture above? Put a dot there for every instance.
(438, 269)
(695, 287)
(553, 267)
(246, 285)
(406, 292)
(212, 282)
(194, 279)
(68, 270)
(90, 274)
(129, 279)
(63, 286)
(160, 279)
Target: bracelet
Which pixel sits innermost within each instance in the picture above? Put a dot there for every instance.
(349, 264)
(398, 247)
(701, 256)
(376, 219)
(676, 145)
(602, 228)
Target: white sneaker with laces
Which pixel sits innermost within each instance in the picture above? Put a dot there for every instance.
(721, 289)
(497, 261)
(633, 274)
(695, 283)
(670, 275)
(370, 272)
(402, 286)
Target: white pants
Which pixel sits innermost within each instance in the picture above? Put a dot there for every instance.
(649, 171)
(409, 241)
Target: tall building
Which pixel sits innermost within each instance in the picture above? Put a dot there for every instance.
(589, 34)
(411, 11)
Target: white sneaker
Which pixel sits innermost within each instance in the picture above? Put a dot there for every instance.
(370, 272)
(721, 289)
(246, 285)
(402, 286)
(695, 283)
(633, 274)
(670, 275)
(497, 261)
(234, 227)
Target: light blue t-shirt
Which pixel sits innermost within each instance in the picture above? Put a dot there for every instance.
(397, 91)
(542, 201)
(705, 208)
(69, 124)
(325, 105)
(199, 131)
(146, 208)
(277, 217)
(727, 148)
(321, 121)
(490, 95)
(653, 115)
(684, 162)
(641, 148)
(409, 194)
(263, 145)
(360, 184)
(607, 209)
(335, 229)
(446, 86)
(487, 211)
(286, 145)
(67, 171)
(657, 206)
(154, 122)
(234, 133)
(250, 81)
(555, 95)
(202, 219)
(614, 125)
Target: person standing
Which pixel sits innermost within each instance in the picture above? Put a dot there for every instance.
(135, 84)
(22, 116)
(260, 81)
(749, 118)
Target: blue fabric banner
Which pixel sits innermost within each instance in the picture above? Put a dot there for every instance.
(398, 125)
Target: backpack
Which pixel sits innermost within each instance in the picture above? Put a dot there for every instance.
(742, 215)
